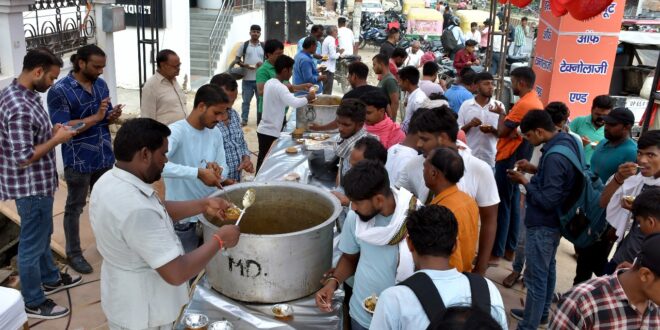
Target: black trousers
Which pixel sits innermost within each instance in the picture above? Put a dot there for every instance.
(592, 260)
(265, 141)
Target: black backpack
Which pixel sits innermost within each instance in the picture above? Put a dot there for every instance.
(449, 42)
(432, 303)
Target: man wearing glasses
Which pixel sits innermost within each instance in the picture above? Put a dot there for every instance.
(162, 96)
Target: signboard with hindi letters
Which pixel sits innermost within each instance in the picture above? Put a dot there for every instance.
(574, 59)
(133, 9)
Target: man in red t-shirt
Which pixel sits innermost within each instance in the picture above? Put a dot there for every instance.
(466, 57)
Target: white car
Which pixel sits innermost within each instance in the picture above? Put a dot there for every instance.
(372, 6)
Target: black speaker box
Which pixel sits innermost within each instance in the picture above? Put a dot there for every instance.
(274, 20)
(297, 23)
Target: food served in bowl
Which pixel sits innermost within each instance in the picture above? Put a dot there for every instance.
(629, 199)
(282, 311)
(291, 150)
(369, 303)
(232, 213)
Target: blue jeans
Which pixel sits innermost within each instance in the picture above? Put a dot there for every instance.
(495, 63)
(540, 275)
(519, 260)
(508, 212)
(187, 233)
(35, 260)
(249, 90)
(78, 187)
(356, 326)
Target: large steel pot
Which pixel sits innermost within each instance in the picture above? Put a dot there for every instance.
(285, 244)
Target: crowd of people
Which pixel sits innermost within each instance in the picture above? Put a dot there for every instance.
(438, 185)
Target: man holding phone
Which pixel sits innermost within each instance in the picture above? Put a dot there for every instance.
(81, 100)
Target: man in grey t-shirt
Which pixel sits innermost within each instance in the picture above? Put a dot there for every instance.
(252, 53)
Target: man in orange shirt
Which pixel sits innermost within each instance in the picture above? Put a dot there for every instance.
(511, 148)
(443, 168)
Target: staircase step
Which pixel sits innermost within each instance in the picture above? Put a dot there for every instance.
(199, 39)
(199, 47)
(199, 72)
(199, 63)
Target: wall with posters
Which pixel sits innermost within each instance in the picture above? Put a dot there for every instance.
(574, 59)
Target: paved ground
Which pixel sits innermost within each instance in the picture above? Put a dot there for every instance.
(85, 299)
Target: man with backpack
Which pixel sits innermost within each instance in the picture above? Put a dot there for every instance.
(250, 59)
(452, 38)
(432, 232)
(547, 192)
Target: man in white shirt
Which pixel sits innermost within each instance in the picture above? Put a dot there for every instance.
(474, 33)
(432, 232)
(438, 128)
(330, 52)
(414, 54)
(276, 98)
(478, 122)
(346, 37)
(497, 51)
(196, 156)
(250, 59)
(144, 270)
(428, 84)
(408, 80)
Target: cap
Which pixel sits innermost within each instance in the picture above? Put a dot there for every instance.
(620, 116)
(649, 256)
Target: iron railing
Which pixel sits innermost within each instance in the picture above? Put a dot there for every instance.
(62, 26)
(222, 23)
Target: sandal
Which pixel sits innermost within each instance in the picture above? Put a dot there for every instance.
(511, 280)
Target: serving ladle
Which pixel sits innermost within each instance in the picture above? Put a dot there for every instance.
(248, 200)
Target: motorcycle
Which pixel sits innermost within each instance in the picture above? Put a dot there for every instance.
(341, 74)
(372, 36)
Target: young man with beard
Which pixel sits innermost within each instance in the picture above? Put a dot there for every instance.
(630, 180)
(388, 83)
(617, 147)
(351, 115)
(478, 123)
(443, 168)
(510, 148)
(236, 148)
(252, 58)
(83, 97)
(590, 127)
(196, 155)
(29, 177)
(377, 121)
(428, 82)
(399, 56)
(372, 242)
(145, 269)
(549, 190)
(438, 128)
(432, 232)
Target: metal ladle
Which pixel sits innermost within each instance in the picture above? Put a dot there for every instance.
(248, 199)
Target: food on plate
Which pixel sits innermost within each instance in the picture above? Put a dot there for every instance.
(282, 311)
(293, 176)
(298, 133)
(629, 199)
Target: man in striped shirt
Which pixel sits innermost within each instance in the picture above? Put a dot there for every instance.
(28, 175)
(520, 37)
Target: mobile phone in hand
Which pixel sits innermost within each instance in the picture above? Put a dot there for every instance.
(77, 126)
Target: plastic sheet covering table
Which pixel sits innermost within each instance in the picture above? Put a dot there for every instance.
(278, 163)
(12, 309)
(216, 307)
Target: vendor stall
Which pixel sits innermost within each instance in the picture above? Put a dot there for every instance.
(425, 21)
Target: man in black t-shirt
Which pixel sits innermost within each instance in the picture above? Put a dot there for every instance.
(387, 48)
(357, 77)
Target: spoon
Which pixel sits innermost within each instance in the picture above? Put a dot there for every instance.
(248, 199)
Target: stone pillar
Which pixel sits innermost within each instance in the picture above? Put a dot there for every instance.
(12, 38)
(574, 59)
(105, 40)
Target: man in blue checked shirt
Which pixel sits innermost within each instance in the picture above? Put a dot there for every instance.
(83, 97)
(236, 149)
